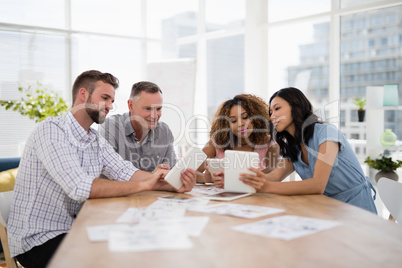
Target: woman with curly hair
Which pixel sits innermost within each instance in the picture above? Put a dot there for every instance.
(241, 124)
(317, 151)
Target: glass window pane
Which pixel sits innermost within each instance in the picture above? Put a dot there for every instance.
(154, 50)
(298, 56)
(175, 18)
(123, 61)
(224, 14)
(279, 10)
(370, 56)
(353, 3)
(33, 12)
(173, 28)
(188, 51)
(225, 70)
(114, 17)
(27, 58)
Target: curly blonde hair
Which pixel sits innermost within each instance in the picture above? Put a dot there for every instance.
(258, 112)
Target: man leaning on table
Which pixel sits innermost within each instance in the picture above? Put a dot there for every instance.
(137, 135)
(60, 169)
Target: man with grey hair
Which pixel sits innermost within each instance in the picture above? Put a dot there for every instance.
(137, 135)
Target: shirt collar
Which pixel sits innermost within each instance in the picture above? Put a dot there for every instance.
(78, 132)
(129, 130)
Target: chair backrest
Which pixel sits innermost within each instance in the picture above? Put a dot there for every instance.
(9, 163)
(390, 192)
(5, 203)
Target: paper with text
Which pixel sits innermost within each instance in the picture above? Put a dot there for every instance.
(148, 238)
(238, 210)
(133, 215)
(286, 227)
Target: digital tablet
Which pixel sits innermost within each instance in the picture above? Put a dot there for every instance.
(192, 159)
(226, 196)
(215, 165)
(237, 162)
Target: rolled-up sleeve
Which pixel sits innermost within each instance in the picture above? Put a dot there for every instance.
(114, 166)
(62, 162)
(328, 132)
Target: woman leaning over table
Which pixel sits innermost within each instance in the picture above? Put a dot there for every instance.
(242, 124)
(317, 151)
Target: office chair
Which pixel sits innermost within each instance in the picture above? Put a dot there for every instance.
(5, 203)
(390, 192)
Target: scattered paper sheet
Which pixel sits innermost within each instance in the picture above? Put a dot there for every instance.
(191, 225)
(208, 191)
(147, 238)
(238, 210)
(133, 215)
(174, 203)
(101, 232)
(161, 226)
(286, 227)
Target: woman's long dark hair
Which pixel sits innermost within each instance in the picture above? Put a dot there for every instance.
(303, 118)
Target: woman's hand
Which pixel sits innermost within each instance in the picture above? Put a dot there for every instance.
(219, 179)
(257, 181)
(208, 176)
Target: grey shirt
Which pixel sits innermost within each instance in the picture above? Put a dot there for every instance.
(156, 148)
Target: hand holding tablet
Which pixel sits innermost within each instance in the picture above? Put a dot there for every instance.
(192, 159)
(215, 165)
(235, 162)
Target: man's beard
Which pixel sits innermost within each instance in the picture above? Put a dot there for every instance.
(94, 114)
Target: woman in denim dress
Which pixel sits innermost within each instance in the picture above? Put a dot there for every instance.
(317, 151)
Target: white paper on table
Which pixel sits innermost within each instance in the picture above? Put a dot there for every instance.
(176, 203)
(238, 210)
(101, 232)
(286, 227)
(191, 225)
(208, 191)
(133, 215)
(148, 238)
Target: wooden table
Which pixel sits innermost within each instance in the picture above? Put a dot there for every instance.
(363, 239)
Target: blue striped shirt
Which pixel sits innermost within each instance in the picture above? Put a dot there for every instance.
(60, 161)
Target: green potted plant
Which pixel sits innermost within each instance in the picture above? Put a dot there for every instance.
(37, 103)
(385, 165)
(360, 103)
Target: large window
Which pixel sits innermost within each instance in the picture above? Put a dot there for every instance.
(330, 49)
(114, 17)
(171, 19)
(34, 13)
(225, 70)
(224, 14)
(282, 10)
(298, 56)
(370, 55)
(27, 57)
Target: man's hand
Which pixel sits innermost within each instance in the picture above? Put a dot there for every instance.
(161, 167)
(188, 177)
(156, 179)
